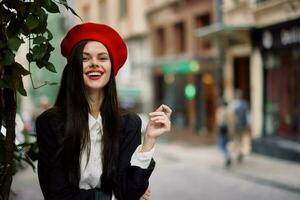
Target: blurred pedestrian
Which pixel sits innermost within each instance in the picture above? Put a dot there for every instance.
(224, 126)
(240, 108)
(88, 147)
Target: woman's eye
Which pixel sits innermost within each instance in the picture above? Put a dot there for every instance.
(103, 58)
(85, 58)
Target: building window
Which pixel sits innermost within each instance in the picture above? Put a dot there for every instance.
(201, 21)
(160, 42)
(180, 41)
(282, 97)
(123, 8)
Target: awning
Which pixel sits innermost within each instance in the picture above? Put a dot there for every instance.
(183, 64)
(221, 32)
(181, 67)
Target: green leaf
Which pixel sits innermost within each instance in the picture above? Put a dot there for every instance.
(29, 57)
(14, 27)
(9, 58)
(63, 2)
(53, 83)
(14, 43)
(20, 88)
(40, 64)
(49, 35)
(20, 69)
(38, 52)
(51, 67)
(42, 16)
(50, 6)
(50, 47)
(32, 22)
(39, 40)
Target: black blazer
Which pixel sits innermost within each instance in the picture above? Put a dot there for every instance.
(133, 181)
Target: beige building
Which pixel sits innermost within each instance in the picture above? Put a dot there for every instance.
(128, 18)
(262, 45)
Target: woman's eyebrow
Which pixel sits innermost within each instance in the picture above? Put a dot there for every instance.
(102, 53)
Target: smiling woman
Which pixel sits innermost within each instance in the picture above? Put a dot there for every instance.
(96, 66)
(89, 148)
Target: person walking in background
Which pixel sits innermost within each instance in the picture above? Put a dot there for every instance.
(224, 127)
(89, 148)
(240, 108)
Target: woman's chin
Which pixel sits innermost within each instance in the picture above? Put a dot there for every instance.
(94, 87)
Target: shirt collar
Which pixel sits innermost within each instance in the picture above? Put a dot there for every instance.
(93, 121)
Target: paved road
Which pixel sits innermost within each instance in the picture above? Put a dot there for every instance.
(193, 173)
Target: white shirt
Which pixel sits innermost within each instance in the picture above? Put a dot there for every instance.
(90, 172)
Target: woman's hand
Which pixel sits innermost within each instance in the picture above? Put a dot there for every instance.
(159, 123)
(146, 195)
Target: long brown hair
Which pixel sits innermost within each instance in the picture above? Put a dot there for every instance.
(73, 104)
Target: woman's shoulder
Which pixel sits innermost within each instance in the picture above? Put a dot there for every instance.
(51, 115)
(130, 128)
(130, 119)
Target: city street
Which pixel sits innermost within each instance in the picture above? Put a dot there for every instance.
(199, 73)
(185, 172)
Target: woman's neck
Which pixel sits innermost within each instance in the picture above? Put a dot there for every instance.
(95, 102)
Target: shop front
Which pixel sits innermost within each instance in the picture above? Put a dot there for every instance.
(280, 49)
(189, 88)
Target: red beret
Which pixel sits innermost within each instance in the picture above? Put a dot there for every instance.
(98, 32)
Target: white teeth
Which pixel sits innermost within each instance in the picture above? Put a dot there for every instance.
(94, 73)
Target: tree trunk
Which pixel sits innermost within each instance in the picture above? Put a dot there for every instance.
(10, 105)
(8, 108)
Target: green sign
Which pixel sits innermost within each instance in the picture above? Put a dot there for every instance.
(190, 91)
(181, 67)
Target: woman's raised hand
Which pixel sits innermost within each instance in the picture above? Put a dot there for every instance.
(159, 123)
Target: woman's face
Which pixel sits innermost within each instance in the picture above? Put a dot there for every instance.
(96, 66)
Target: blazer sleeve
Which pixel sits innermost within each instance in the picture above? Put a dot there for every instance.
(52, 177)
(132, 180)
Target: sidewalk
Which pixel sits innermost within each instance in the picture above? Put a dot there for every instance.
(258, 168)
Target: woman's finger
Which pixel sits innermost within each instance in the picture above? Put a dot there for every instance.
(158, 118)
(167, 110)
(156, 113)
(164, 123)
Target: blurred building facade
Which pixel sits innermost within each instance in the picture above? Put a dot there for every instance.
(260, 40)
(184, 70)
(128, 17)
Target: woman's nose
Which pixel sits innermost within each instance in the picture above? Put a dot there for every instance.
(95, 62)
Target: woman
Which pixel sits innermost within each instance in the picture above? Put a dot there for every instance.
(224, 123)
(88, 147)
